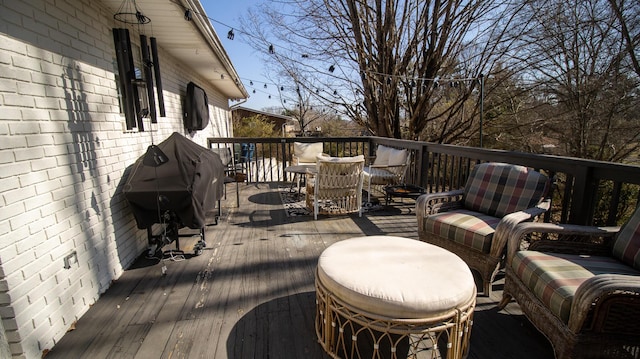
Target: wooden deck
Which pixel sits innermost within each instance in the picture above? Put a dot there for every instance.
(251, 294)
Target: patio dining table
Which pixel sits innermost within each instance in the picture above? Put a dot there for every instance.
(299, 171)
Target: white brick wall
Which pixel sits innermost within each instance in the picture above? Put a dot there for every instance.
(61, 161)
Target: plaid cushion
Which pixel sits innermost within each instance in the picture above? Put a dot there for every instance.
(554, 278)
(470, 228)
(498, 189)
(626, 247)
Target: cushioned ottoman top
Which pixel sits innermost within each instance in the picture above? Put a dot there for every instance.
(396, 277)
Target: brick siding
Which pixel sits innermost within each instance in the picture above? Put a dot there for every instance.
(63, 152)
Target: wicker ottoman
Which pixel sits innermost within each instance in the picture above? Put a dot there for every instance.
(392, 297)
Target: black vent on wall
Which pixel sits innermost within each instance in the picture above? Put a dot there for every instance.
(196, 108)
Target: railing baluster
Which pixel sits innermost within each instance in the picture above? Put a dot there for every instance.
(444, 167)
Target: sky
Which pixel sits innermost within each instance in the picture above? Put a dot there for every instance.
(224, 15)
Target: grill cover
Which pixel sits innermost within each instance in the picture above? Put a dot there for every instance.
(189, 184)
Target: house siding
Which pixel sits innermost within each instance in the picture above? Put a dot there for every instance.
(63, 153)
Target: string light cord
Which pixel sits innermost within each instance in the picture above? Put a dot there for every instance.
(189, 13)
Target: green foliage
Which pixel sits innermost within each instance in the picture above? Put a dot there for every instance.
(626, 203)
(254, 126)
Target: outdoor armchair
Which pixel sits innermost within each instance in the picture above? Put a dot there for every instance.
(335, 187)
(579, 285)
(388, 168)
(474, 222)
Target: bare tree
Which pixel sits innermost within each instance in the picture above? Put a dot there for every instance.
(628, 15)
(388, 65)
(575, 60)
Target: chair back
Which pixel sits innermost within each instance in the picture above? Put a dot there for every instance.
(498, 189)
(396, 160)
(226, 157)
(626, 247)
(339, 172)
(246, 152)
(306, 153)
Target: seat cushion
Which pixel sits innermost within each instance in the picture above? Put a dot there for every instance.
(379, 175)
(498, 189)
(626, 247)
(396, 277)
(472, 229)
(554, 278)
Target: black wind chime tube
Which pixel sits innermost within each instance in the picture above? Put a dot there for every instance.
(125, 70)
(148, 76)
(158, 78)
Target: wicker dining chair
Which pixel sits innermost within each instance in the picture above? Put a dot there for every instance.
(579, 286)
(336, 185)
(474, 222)
(230, 171)
(305, 153)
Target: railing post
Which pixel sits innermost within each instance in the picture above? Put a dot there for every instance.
(283, 143)
(583, 198)
(422, 160)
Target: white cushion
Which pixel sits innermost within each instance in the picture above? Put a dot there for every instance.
(378, 175)
(382, 155)
(340, 159)
(396, 277)
(398, 157)
(307, 152)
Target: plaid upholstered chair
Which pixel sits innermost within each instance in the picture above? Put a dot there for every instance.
(580, 286)
(474, 222)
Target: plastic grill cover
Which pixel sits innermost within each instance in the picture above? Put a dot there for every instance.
(189, 184)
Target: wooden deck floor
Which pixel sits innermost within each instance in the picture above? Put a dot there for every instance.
(251, 294)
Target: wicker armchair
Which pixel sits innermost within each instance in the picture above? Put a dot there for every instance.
(388, 168)
(336, 186)
(580, 286)
(474, 222)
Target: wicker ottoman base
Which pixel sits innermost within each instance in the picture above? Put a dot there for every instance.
(346, 331)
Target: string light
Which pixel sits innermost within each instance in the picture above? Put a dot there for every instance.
(231, 35)
(413, 81)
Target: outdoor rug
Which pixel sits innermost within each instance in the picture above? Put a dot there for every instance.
(295, 205)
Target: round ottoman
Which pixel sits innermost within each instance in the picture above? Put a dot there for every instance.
(389, 297)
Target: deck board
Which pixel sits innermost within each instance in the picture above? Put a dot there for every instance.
(251, 293)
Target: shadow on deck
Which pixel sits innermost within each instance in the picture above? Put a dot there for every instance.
(251, 293)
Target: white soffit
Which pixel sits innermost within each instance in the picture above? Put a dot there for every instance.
(194, 43)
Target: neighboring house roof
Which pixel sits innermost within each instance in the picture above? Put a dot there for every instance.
(246, 112)
(195, 42)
